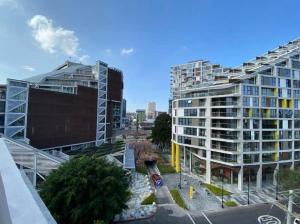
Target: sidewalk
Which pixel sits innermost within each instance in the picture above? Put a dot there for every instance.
(202, 200)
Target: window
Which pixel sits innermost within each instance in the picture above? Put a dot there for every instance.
(201, 132)
(184, 139)
(284, 72)
(296, 64)
(184, 103)
(190, 112)
(267, 92)
(190, 131)
(296, 84)
(185, 121)
(268, 81)
(268, 102)
(246, 101)
(250, 90)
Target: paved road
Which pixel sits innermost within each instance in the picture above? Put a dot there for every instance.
(167, 214)
(163, 196)
(240, 215)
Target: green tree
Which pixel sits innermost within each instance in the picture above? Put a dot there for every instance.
(161, 133)
(85, 190)
(289, 179)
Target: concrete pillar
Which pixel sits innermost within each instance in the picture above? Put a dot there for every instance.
(231, 176)
(275, 175)
(241, 179)
(290, 207)
(177, 162)
(208, 172)
(173, 154)
(190, 162)
(184, 156)
(259, 178)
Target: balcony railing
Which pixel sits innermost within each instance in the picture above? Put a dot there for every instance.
(224, 136)
(224, 159)
(224, 103)
(224, 114)
(224, 125)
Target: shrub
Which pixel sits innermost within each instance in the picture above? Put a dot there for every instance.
(167, 168)
(85, 189)
(142, 169)
(177, 198)
(149, 200)
(230, 203)
(216, 190)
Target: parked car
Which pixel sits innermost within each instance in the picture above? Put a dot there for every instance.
(156, 180)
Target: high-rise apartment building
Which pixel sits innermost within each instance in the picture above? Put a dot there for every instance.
(71, 107)
(140, 115)
(151, 110)
(243, 123)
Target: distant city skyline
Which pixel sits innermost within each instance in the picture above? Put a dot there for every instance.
(142, 38)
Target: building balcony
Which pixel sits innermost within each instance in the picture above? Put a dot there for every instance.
(224, 159)
(224, 114)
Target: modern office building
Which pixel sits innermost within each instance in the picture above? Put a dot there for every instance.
(74, 106)
(243, 123)
(140, 115)
(151, 110)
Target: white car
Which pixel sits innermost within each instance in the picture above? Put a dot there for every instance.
(296, 221)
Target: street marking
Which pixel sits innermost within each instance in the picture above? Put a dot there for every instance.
(206, 218)
(268, 219)
(191, 218)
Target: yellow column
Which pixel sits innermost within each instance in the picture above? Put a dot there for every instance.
(173, 155)
(177, 158)
(191, 192)
(250, 112)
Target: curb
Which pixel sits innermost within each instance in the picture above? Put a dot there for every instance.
(138, 219)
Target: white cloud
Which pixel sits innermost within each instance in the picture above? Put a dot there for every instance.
(55, 39)
(125, 51)
(28, 68)
(13, 4)
(108, 52)
(83, 59)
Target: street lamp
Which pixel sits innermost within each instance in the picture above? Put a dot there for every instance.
(179, 185)
(277, 180)
(248, 186)
(222, 176)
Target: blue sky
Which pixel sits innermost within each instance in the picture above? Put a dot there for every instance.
(144, 38)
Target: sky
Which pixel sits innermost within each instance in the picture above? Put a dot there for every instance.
(143, 38)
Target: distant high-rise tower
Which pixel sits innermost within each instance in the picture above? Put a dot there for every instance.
(151, 110)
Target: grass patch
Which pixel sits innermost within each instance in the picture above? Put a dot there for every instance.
(177, 198)
(149, 200)
(166, 168)
(230, 203)
(216, 190)
(142, 169)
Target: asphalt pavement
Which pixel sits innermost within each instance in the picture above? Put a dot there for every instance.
(253, 214)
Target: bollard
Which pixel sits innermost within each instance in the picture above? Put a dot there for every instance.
(191, 192)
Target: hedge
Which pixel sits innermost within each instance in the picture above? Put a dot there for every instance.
(216, 190)
(230, 203)
(177, 198)
(149, 200)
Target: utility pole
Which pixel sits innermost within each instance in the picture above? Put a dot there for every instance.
(277, 182)
(290, 207)
(222, 176)
(248, 186)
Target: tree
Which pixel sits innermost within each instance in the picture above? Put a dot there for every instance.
(161, 133)
(289, 179)
(85, 190)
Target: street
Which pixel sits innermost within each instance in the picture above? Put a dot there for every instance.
(266, 213)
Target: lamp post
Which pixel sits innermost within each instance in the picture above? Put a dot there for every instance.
(179, 185)
(248, 186)
(277, 180)
(222, 176)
